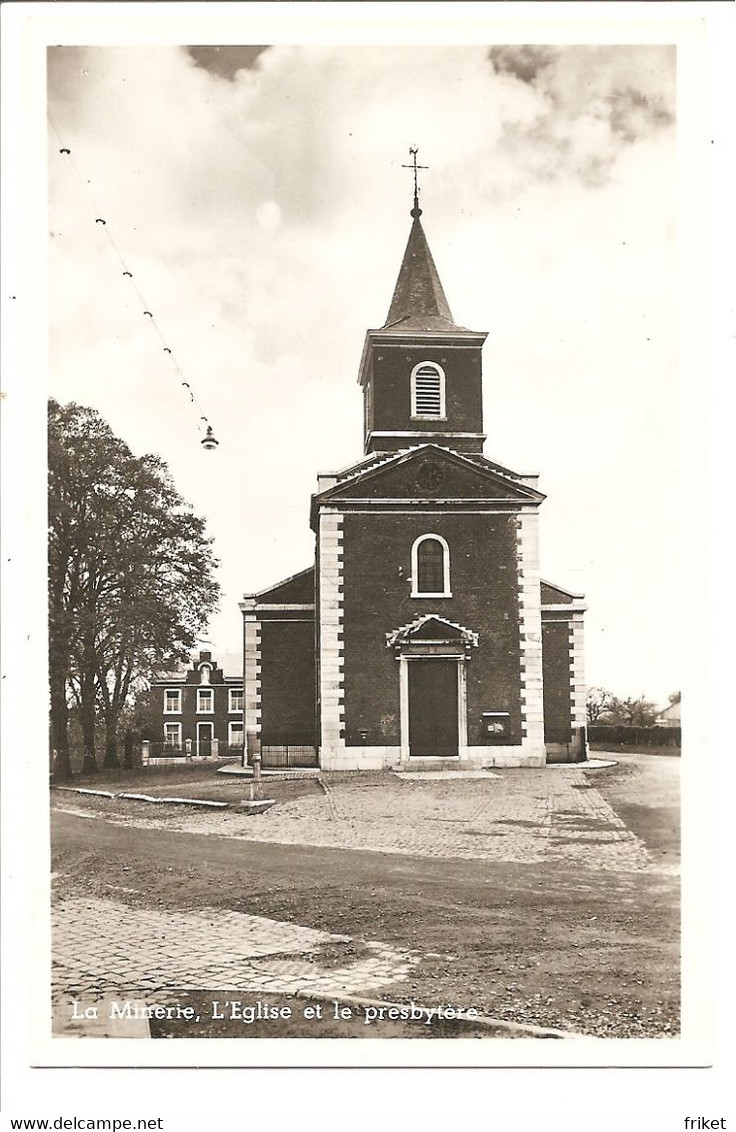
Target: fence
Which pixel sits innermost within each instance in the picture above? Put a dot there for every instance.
(159, 751)
(621, 735)
(274, 757)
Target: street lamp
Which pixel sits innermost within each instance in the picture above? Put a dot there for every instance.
(209, 441)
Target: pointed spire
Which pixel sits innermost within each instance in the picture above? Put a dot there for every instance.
(419, 301)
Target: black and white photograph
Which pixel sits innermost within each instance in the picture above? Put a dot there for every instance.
(365, 682)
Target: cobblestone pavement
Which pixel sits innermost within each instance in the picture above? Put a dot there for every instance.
(522, 815)
(101, 946)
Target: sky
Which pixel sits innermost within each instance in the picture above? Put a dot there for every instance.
(258, 196)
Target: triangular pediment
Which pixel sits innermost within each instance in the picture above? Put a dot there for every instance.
(430, 472)
(431, 627)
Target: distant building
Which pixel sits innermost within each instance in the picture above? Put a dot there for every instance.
(423, 633)
(669, 716)
(201, 708)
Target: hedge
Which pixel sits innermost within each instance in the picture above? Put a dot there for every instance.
(625, 736)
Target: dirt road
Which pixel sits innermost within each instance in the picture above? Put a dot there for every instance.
(551, 944)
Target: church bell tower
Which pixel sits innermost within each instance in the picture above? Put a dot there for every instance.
(421, 372)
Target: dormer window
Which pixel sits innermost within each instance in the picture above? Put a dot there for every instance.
(430, 567)
(428, 391)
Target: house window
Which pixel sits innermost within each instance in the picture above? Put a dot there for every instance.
(235, 734)
(204, 673)
(172, 701)
(428, 391)
(236, 699)
(172, 734)
(205, 701)
(430, 567)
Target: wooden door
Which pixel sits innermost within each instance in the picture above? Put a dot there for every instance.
(204, 739)
(433, 731)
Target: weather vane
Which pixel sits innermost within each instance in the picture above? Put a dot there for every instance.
(416, 212)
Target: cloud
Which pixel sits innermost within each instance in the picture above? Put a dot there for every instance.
(226, 61)
(524, 62)
(593, 101)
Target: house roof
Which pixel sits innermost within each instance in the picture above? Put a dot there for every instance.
(419, 301)
(231, 664)
(672, 712)
(296, 588)
(553, 594)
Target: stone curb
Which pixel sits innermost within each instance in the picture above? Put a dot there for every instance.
(481, 1020)
(146, 798)
(174, 801)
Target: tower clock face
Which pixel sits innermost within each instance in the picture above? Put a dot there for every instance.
(430, 476)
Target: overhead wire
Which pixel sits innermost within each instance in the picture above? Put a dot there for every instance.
(65, 151)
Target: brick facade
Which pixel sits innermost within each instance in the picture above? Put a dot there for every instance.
(195, 708)
(377, 580)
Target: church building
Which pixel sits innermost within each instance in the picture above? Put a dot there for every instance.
(422, 635)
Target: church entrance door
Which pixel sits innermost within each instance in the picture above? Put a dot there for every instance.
(433, 703)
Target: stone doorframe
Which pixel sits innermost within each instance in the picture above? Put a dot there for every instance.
(433, 635)
(407, 656)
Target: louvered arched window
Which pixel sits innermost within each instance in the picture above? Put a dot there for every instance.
(430, 567)
(428, 391)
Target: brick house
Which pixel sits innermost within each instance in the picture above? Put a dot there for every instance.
(201, 708)
(423, 634)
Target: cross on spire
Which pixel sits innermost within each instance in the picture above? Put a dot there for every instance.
(416, 212)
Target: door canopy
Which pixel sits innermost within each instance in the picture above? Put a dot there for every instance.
(431, 629)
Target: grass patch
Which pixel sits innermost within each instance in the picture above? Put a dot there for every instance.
(230, 792)
(198, 780)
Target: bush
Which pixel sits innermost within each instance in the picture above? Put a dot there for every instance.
(622, 735)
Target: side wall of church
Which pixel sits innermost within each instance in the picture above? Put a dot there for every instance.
(557, 673)
(287, 682)
(564, 684)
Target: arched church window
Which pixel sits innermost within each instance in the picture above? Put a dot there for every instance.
(428, 391)
(430, 567)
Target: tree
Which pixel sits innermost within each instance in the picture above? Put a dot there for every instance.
(599, 703)
(131, 576)
(632, 712)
